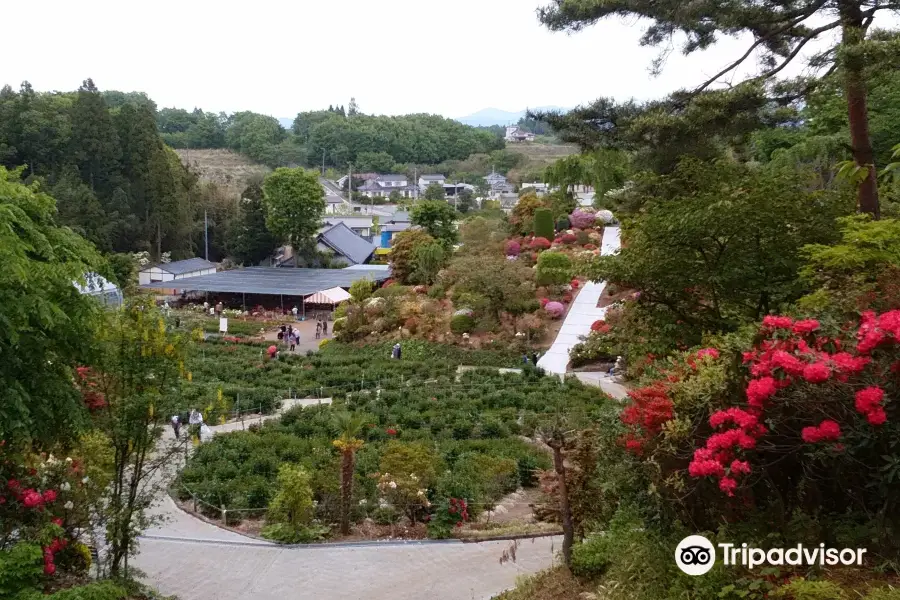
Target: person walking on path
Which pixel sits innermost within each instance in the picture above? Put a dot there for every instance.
(395, 351)
(295, 339)
(176, 426)
(295, 311)
(318, 329)
(196, 422)
(325, 327)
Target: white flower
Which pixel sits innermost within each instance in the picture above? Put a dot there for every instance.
(363, 502)
(68, 505)
(68, 459)
(393, 485)
(85, 479)
(65, 487)
(420, 493)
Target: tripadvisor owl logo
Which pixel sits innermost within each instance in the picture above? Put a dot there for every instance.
(695, 555)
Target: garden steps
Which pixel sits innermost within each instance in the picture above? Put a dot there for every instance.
(582, 313)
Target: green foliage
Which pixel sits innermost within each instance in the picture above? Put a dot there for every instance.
(249, 240)
(503, 283)
(20, 568)
(437, 218)
(434, 191)
(866, 248)
(430, 259)
(543, 223)
(711, 253)
(362, 289)
(801, 589)
(292, 504)
(404, 249)
(553, 268)
(294, 204)
(463, 323)
(286, 534)
(374, 162)
(48, 325)
(562, 223)
(521, 220)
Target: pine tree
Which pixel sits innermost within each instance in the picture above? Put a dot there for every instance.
(95, 143)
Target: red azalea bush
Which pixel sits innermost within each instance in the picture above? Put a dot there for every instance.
(540, 243)
(568, 238)
(513, 248)
(601, 326)
(807, 423)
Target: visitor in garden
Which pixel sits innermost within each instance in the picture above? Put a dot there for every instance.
(176, 426)
(325, 326)
(395, 351)
(318, 329)
(294, 339)
(295, 311)
(524, 359)
(534, 358)
(196, 422)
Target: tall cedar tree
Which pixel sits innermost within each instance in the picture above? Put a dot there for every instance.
(145, 164)
(780, 31)
(249, 241)
(95, 142)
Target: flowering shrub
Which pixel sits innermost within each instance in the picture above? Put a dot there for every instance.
(555, 309)
(513, 248)
(540, 243)
(581, 219)
(569, 239)
(452, 513)
(600, 325)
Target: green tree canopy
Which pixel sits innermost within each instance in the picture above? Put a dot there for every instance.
(404, 248)
(294, 203)
(437, 218)
(249, 240)
(48, 325)
(434, 191)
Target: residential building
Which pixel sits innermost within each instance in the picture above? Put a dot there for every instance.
(541, 189)
(361, 226)
(495, 179)
(333, 204)
(344, 245)
(451, 190)
(400, 221)
(515, 134)
(180, 269)
(384, 185)
(426, 180)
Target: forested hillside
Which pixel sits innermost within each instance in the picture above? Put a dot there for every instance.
(114, 179)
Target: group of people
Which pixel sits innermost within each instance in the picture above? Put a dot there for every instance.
(290, 336)
(194, 420)
(321, 328)
(532, 360)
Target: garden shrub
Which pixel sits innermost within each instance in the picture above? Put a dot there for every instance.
(437, 292)
(288, 534)
(362, 289)
(581, 219)
(513, 248)
(801, 589)
(543, 223)
(555, 309)
(553, 268)
(582, 238)
(562, 223)
(540, 243)
(386, 515)
(462, 324)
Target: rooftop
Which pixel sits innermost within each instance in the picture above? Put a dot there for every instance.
(432, 177)
(274, 281)
(180, 267)
(344, 240)
(392, 177)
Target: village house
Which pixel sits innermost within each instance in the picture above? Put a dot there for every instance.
(516, 134)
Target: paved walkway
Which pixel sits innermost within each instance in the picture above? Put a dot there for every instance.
(581, 315)
(195, 560)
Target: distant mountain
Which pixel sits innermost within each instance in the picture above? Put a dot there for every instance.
(495, 116)
(286, 122)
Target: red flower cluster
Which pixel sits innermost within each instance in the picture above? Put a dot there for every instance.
(29, 497)
(876, 330)
(568, 238)
(540, 243)
(87, 383)
(720, 449)
(649, 409)
(459, 507)
(868, 403)
(601, 326)
(390, 431)
(826, 431)
(49, 551)
(575, 284)
(817, 372)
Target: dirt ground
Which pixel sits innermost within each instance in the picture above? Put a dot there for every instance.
(308, 340)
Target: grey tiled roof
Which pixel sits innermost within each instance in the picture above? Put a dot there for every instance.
(180, 267)
(392, 177)
(345, 241)
(432, 177)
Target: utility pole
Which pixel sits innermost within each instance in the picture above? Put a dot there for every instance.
(206, 234)
(349, 182)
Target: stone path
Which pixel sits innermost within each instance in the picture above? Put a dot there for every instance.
(581, 315)
(195, 560)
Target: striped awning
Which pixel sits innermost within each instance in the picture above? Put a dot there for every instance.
(330, 296)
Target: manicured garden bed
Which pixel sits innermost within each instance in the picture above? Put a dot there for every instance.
(456, 437)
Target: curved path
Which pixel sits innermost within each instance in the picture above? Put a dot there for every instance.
(581, 315)
(195, 560)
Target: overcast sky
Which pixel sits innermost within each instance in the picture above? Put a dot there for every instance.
(279, 57)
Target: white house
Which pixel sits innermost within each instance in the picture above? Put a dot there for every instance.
(541, 189)
(514, 134)
(181, 269)
(361, 226)
(384, 185)
(426, 180)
